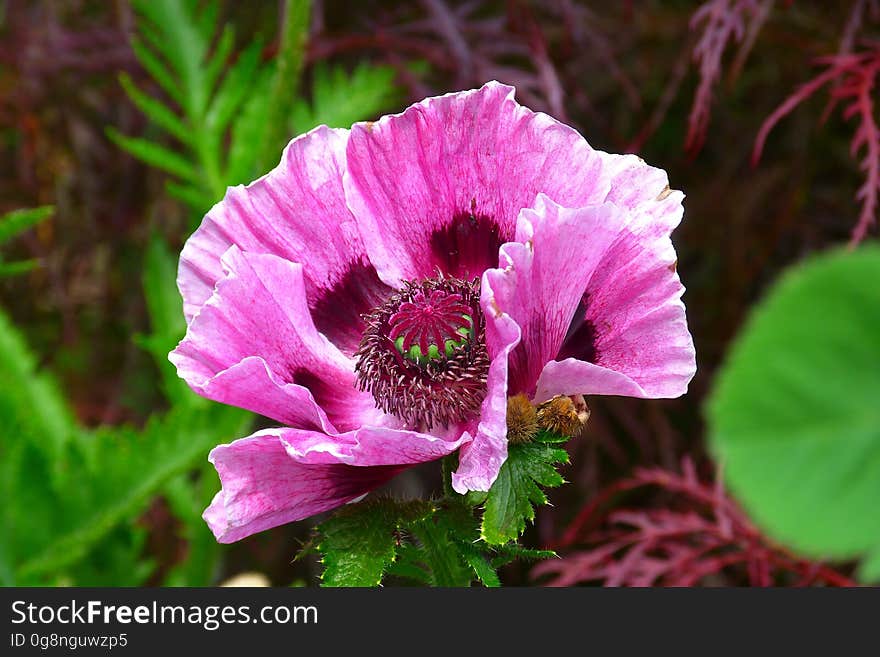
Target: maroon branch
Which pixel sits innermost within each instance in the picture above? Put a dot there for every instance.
(723, 22)
(702, 536)
(851, 79)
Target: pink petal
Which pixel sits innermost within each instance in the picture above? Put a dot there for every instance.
(573, 377)
(368, 445)
(264, 487)
(640, 344)
(644, 190)
(447, 178)
(254, 345)
(296, 211)
(542, 277)
(481, 459)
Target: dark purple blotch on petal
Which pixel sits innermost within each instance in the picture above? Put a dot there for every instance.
(338, 312)
(580, 339)
(468, 245)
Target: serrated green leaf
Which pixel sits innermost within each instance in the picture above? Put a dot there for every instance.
(550, 438)
(168, 325)
(156, 111)
(31, 404)
(247, 130)
(285, 85)
(155, 155)
(480, 565)
(510, 501)
(219, 59)
(505, 554)
(360, 541)
(233, 90)
(795, 417)
(157, 70)
(441, 551)
(340, 99)
(18, 221)
(195, 197)
(409, 570)
(118, 472)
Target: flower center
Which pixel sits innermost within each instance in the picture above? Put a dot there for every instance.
(422, 355)
(431, 326)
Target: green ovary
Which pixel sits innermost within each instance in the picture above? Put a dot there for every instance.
(414, 352)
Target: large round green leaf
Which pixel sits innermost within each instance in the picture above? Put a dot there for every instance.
(795, 416)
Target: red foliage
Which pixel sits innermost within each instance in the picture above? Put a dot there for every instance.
(723, 21)
(704, 537)
(852, 78)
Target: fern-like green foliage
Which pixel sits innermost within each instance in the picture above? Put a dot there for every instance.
(78, 492)
(74, 493)
(339, 99)
(205, 88)
(11, 225)
(432, 542)
(220, 108)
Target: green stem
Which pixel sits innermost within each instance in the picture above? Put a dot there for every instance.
(294, 35)
(448, 465)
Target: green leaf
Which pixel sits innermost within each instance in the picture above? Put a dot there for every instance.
(282, 95)
(118, 471)
(177, 42)
(505, 554)
(441, 549)
(156, 111)
(234, 89)
(19, 267)
(247, 132)
(188, 497)
(360, 541)
(18, 221)
(219, 59)
(157, 69)
(794, 418)
(509, 503)
(31, 404)
(155, 155)
(163, 300)
(193, 195)
(171, 27)
(408, 565)
(869, 569)
(340, 99)
(484, 571)
(165, 308)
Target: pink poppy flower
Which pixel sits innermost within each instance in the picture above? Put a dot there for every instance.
(385, 289)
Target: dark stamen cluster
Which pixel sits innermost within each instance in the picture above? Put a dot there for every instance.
(423, 354)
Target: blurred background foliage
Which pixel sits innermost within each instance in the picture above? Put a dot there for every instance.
(121, 123)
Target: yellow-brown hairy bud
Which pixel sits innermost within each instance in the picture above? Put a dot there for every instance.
(564, 416)
(522, 420)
